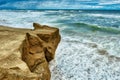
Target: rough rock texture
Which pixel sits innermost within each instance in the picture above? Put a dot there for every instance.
(25, 53)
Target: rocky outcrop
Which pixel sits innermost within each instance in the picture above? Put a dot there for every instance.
(25, 54)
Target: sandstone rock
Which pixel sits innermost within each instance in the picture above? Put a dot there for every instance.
(25, 53)
(50, 38)
(34, 55)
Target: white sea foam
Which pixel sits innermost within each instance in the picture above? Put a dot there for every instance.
(24, 19)
(82, 59)
(104, 15)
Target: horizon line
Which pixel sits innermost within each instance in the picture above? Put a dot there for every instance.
(67, 9)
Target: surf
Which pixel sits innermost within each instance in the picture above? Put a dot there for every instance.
(94, 28)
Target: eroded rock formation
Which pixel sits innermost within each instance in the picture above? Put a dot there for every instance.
(25, 53)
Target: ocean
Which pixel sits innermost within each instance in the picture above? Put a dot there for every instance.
(90, 44)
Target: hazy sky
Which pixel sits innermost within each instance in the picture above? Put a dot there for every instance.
(60, 4)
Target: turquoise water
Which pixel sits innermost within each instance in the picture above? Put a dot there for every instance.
(77, 20)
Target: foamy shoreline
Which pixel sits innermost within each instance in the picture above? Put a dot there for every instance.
(83, 58)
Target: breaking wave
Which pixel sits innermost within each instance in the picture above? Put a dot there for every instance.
(95, 27)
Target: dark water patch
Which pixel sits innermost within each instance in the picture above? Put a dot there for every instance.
(103, 11)
(97, 28)
(93, 28)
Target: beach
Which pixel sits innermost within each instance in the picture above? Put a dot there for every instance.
(90, 41)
